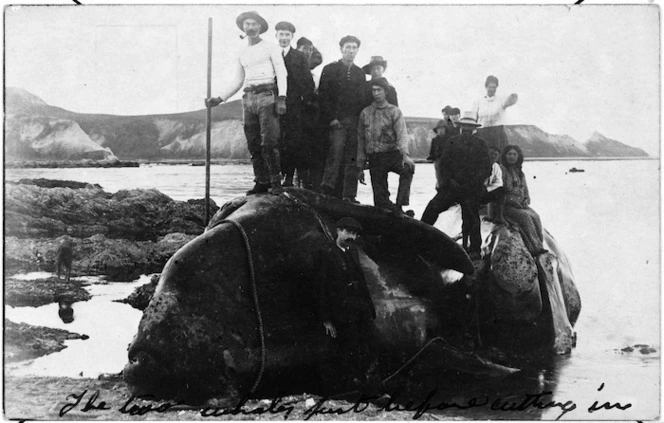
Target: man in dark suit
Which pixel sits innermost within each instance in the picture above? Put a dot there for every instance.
(300, 89)
(346, 309)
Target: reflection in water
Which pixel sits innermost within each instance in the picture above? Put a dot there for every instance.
(529, 394)
(65, 311)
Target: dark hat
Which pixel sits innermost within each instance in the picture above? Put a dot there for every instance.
(285, 26)
(381, 82)
(303, 41)
(251, 15)
(349, 39)
(441, 124)
(375, 60)
(447, 110)
(350, 224)
(455, 111)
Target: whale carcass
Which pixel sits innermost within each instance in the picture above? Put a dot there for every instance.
(235, 310)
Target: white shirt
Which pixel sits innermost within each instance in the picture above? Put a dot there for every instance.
(285, 51)
(257, 65)
(489, 110)
(494, 181)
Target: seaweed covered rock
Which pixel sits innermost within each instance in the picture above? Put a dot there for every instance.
(46, 209)
(118, 259)
(140, 298)
(25, 342)
(35, 293)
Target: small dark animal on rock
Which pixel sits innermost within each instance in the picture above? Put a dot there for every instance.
(65, 257)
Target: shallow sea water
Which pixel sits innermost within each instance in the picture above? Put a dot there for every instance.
(606, 219)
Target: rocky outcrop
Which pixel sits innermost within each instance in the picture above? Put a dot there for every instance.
(35, 293)
(140, 298)
(33, 211)
(118, 259)
(25, 342)
(121, 235)
(601, 146)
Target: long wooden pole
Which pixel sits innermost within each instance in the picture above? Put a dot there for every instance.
(208, 125)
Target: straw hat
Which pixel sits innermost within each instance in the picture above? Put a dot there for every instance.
(468, 118)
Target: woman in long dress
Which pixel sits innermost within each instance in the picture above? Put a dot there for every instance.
(517, 201)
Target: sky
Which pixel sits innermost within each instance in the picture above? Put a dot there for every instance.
(576, 69)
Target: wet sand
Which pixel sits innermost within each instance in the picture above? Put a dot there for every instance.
(50, 398)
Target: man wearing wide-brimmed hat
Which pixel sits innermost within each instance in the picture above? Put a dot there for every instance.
(261, 69)
(465, 166)
(376, 67)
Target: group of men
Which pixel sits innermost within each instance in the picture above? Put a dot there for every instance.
(330, 136)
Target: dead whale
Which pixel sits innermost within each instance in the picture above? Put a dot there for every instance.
(235, 309)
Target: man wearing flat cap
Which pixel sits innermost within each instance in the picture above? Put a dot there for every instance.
(382, 139)
(445, 129)
(261, 69)
(300, 90)
(342, 98)
(376, 67)
(346, 309)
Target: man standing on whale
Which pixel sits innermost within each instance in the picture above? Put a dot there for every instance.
(261, 69)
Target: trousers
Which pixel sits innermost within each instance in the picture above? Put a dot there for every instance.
(470, 212)
(380, 164)
(261, 127)
(342, 157)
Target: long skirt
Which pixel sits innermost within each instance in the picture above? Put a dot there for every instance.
(530, 226)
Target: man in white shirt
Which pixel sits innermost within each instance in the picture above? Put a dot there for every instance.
(261, 69)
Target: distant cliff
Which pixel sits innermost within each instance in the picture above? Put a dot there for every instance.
(35, 130)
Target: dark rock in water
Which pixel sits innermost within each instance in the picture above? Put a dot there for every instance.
(575, 170)
(117, 259)
(51, 183)
(33, 211)
(35, 293)
(641, 348)
(627, 349)
(25, 342)
(142, 295)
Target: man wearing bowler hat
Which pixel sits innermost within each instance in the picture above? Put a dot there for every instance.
(300, 90)
(345, 306)
(342, 97)
(261, 69)
(465, 167)
(376, 67)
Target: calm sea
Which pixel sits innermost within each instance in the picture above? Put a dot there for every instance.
(607, 219)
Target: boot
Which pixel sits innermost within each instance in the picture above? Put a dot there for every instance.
(276, 188)
(258, 188)
(499, 208)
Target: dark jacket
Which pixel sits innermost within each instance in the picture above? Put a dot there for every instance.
(300, 82)
(466, 160)
(344, 295)
(391, 95)
(439, 142)
(340, 96)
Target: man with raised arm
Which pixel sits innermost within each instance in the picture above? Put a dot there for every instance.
(261, 69)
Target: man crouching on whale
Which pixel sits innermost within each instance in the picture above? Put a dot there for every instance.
(346, 309)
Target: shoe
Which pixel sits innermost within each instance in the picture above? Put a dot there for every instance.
(351, 200)
(276, 188)
(258, 188)
(410, 213)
